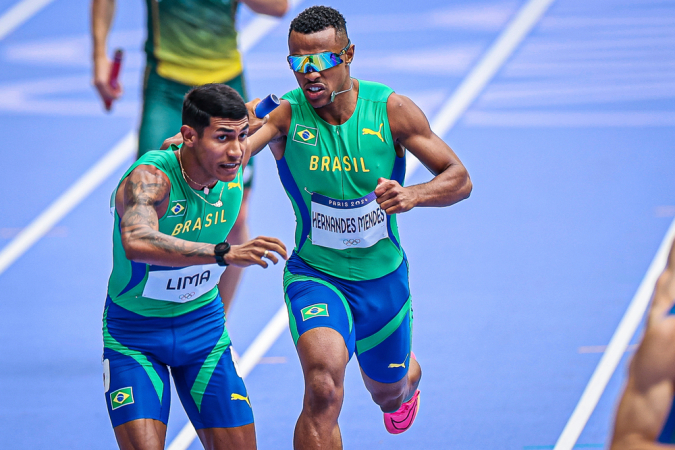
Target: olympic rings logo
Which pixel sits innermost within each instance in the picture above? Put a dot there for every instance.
(187, 296)
(349, 242)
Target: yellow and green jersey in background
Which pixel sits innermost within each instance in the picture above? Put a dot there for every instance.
(193, 42)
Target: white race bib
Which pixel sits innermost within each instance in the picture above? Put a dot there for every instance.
(181, 285)
(342, 224)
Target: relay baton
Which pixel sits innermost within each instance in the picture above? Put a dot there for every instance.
(114, 73)
(266, 106)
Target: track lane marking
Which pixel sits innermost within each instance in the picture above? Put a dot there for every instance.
(474, 83)
(19, 14)
(80, 190)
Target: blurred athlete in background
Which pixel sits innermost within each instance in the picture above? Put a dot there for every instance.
(189, 43)
(645, 418)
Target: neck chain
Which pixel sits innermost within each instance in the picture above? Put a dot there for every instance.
(186, 177)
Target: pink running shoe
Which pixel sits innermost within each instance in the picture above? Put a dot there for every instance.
(402, 419)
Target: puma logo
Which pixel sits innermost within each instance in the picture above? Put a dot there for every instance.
(233, 185)
(377, 133)
(240, 397)
(393, 366)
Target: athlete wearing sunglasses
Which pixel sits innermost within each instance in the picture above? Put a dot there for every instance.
(340, 144)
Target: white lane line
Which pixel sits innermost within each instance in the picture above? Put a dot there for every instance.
(124, 150)
(616, 348)
(18, 14)
(248, 361)
(526, 18)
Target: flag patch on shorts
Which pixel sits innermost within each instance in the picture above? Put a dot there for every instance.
(318, 310)
(121, 397)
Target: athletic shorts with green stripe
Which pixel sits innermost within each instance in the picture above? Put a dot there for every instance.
(374, 317)
(139, 350)
(162, 110)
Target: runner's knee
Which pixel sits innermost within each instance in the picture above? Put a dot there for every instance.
(324, 391)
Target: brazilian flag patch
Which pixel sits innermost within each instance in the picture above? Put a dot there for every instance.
(305, 135)
(121, 397)
(318, 310)
(177, 208)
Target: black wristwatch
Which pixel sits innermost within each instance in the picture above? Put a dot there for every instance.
(221, 250)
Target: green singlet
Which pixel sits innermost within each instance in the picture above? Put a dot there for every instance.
(190, 43)
(193, 42)
(329, 173)
(157, 291)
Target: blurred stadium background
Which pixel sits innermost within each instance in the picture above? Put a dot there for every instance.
(517, 291)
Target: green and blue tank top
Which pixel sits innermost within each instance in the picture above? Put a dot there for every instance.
(158, 291)
(329, 173)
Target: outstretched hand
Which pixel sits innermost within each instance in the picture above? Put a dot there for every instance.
(394, 198)
(254, 252)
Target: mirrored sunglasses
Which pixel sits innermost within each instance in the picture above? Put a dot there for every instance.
(316, 62)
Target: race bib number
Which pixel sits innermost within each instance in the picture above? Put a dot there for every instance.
(181, 285)
(342, 224)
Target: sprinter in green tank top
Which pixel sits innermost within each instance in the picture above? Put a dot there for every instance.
(173, 212)
(340, 146)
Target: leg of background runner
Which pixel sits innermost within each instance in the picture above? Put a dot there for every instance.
(227, 286)
(141, 434)
(162, 111)
(324, 357)
(240, 438)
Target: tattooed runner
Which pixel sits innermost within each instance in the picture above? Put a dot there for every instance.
(173, 212)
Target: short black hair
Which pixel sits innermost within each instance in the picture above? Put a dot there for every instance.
(318, 18)
(211, 100)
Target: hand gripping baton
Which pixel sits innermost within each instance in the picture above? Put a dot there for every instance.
(114, 73)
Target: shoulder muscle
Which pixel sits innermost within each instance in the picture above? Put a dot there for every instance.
(406, 118)
(146, 185)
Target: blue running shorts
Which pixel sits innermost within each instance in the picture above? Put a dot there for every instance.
(138, 352)
(374, 317)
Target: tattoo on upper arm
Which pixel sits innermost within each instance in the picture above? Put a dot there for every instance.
(141, 197)
(140, 221)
